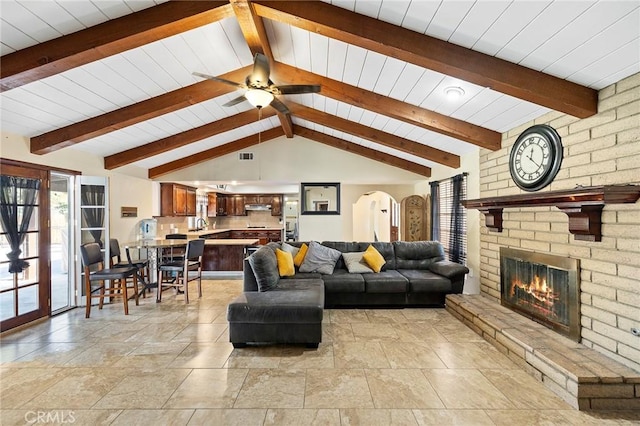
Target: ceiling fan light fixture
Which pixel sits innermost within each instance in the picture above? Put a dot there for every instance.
(454, 92)
(259, 98)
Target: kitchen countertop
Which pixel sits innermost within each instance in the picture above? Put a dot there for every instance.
(161, 242)
(196, 234)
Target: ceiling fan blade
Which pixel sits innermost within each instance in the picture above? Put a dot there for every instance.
(235, 101)
(296, 89)
(279, 106)
(221, 80)
(260, 75)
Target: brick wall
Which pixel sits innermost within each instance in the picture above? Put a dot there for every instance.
(600, 150)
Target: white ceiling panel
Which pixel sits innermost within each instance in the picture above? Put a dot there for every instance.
(590, 42)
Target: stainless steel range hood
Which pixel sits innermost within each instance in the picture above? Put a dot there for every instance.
(257, 207)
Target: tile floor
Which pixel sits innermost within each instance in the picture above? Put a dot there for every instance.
(171, 364)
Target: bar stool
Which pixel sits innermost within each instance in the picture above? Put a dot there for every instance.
(92, 257)
(141, 265)
(180, 268)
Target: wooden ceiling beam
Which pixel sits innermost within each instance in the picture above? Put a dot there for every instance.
(393, 108)
(254, 33)
(363, 151)
(133, 114)
(373, 135)
(106, 39)
(434, 54)
(182, 139)
(216, 152)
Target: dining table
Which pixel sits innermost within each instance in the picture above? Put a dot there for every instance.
(152, 249)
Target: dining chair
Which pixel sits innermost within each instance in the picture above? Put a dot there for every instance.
(191, 261)
(112, 282)
(116, 261)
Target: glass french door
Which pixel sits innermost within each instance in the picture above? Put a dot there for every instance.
(62, 248)
(24, 267)
(92, 199)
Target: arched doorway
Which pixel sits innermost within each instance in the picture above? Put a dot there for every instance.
(376, 217)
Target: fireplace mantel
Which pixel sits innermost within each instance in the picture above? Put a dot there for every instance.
(583, 205)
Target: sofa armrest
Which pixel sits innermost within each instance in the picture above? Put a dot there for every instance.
(249, 283)
(448, 269)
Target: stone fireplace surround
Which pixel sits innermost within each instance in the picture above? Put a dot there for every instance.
(583, 377)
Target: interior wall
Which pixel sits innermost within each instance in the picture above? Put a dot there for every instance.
(600, 150)
(132, 189)
(372, 216)
(294, 160)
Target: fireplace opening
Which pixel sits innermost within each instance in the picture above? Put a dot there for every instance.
(542, 287)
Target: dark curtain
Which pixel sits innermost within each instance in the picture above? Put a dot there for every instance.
(435, 211)
(456, 237)
(93, 195)
(17, 195)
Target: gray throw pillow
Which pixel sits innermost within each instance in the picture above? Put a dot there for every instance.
(355, 263)
(320, 259)
(290, 249)
(265, 268)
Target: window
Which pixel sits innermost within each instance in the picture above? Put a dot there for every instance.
(449, 217)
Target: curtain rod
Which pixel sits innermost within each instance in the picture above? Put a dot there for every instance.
(449, 178)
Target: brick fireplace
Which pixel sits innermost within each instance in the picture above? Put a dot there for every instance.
(542, 287)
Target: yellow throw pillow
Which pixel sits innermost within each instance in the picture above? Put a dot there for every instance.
(374, 259)
(300, 256)
(285, 263)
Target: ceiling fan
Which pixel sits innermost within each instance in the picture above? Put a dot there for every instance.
(260, 89)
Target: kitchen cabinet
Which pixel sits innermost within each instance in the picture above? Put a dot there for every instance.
(264, 235)
(177, 200)
(265, 199)
(236, 207)
(222, 205)
(212, 204)
(276, 205)
(191, 202)
(252, 199)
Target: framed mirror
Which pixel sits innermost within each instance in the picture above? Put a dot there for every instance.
(320, 198)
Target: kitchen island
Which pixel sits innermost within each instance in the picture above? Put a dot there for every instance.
(264, 234)
(219, 254)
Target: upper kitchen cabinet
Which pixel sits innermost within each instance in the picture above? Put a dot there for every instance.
(236, 205)
(177, 200)
(221, 205)
(212, 204)
(276, 205)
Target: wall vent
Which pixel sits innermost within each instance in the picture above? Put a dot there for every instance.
(243, 156)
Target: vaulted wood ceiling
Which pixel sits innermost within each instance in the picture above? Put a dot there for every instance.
(132, 31)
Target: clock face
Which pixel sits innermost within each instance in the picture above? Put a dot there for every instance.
(535, 157)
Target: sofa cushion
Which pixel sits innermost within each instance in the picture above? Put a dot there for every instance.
(385, 249)
(285, 263)
(385, 282)
(265, 268)
(304, 276)
(355, 263)
(373, 258)
(320, 259)
(290, 249)
(342, 247)
(426, 281)
(417, 254)
(293, 306)
(299, 257)
(341, 281)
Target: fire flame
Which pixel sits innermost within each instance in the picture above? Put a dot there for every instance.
(537, 288)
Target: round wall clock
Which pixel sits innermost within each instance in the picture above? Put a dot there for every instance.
(536, 157)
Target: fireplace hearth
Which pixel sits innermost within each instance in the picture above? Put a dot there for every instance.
(542, 287)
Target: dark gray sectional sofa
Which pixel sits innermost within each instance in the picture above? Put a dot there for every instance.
(414, 274)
